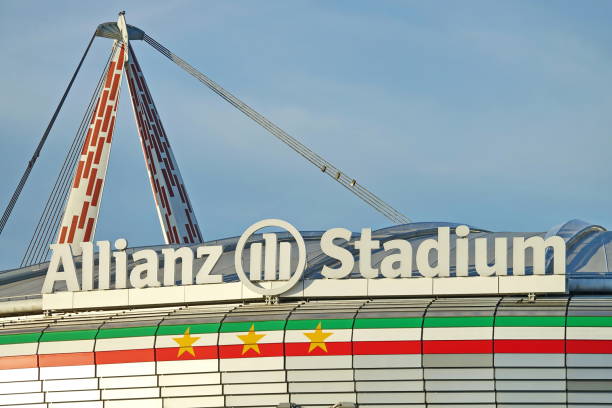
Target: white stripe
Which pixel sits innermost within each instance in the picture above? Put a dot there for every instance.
(125, 369)
(69, 346)
(187, 366)
(20, 349)
(536, 333)
(205, 339)
(125, 343)
(64, 372)
(593, 333)
(457, 333)
(247, 364)
(275, 336)
(298, 336)
(318, 362)
(387, 334)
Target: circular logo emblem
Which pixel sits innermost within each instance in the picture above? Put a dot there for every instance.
(269, 261)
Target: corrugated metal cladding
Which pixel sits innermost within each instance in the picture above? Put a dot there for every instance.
(450, 352)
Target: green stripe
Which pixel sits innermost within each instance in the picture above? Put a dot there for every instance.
(19, 338)
(127, 332)
(589, 321)
(464, 321)
(265, 325)
(312, 324)
(388, 323)
(530, 321)
(69, 335)
(193, 328)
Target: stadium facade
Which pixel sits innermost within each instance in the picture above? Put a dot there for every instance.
(355, 341)
(415, 315)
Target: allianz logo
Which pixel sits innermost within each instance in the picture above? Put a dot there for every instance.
(272, 269)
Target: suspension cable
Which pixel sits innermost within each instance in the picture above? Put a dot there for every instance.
(46, 229)
(323, 165)
(26, 174)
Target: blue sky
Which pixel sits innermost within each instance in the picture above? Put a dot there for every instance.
(496, 114)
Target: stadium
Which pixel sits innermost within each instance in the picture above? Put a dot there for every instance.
(421, 314)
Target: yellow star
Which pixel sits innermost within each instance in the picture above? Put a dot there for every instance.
(317, 339)
(185, 343)
(250, 340)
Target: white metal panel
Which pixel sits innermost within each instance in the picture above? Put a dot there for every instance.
(190, 379)
(413, 374)
(387, 361)
(58, 373)
(187, 366)
(253, 376)
(132, 403)
(315, 375)
(192, 402)
(19, 374)
(261, 388)
(158, 296)
(71, 384)
(213, 291)
(126, 369)
(320, 362)
(20, 387)
(461, 285)
(335, 386)
(28, 398)
(397, 386)
(126, 393)
(69, 396)
(193, 390)
(400, 287)
(261, 400)
(128, 382)
(99, 298)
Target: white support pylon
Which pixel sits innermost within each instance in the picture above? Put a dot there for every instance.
(176, 217)
(83, 204)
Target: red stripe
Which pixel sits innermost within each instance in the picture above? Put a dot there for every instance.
(83, 214)
(12, 362)
(66, 359)
(168, 182)
(589, 346)
(121, 57)
(116, 82)
(177, 240)
(99, 150)
(107, 117)
(96, 133)
(102, 106)
(265, 350)
(529, 346)
(333, 349)
(387, 347)
(201, 353)
(111, 130)
(86, 143)
(88, 230)
(125, 356)
(79, 172)
(457, 346)
(90, 156)
(91, 182)
(96, 194)
(189, 232)
(63, 234)
(73, 225)
(109, 75)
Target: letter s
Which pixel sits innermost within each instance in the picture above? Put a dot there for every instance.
(347, 261)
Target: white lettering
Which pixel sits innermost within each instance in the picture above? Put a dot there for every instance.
(347, 261)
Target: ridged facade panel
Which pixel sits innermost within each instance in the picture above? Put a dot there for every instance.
(445, 352)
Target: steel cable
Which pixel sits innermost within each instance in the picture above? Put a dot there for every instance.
(46, 230)
(323, 165)
(9, 208)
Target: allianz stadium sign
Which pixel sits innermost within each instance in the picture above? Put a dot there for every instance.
(270, 260)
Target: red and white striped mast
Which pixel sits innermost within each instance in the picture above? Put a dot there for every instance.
(178, 222)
